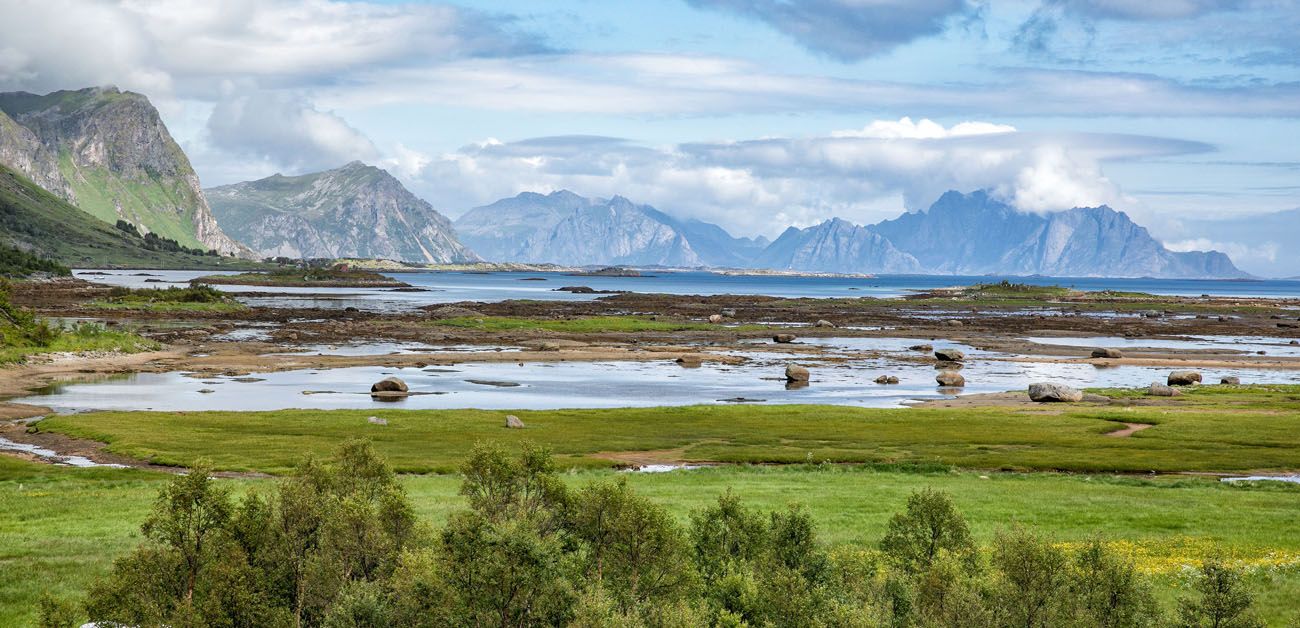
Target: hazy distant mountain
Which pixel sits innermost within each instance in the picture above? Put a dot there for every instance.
(565, 228)
(965, 234)
(499, 231)
(1266, 241)
(352, 211)
(836, 246)
(976, 234)
(109, 153)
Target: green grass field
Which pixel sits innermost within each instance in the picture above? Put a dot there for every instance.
(1210, 429)
(85, 338)
(585, 325)
(60, 528)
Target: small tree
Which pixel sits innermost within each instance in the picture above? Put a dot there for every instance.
(501, 488)
(1033, 576)
(1223, 600)
(930, 524)
(1108, 591)
(634, 548)
(725, 534)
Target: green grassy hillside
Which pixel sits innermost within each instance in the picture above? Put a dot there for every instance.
(34, 220)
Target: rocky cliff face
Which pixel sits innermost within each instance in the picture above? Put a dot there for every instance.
(614, 232)
(500, 231)
(563, 227)
(976, 234)
(836, 246)
(352, 211)
(109, 153)
(22, 151)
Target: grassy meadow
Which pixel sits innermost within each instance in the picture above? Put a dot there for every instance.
(61, 528)
(1211, 429)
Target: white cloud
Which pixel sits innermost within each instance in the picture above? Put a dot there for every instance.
(190, 45)
(648, 84)
(285, 129)
(761, 186)
(926, 129)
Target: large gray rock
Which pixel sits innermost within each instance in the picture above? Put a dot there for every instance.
(513, 422)
(1184, 378)
(1230, 381)
(1107, 352)
(796, 373)
(950, 379)
(1045, 392)
(949, 355)
(389, 387)
(783, 338)
(1160, 390)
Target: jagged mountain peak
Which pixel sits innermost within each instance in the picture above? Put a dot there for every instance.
(355, 210)
(566, 227)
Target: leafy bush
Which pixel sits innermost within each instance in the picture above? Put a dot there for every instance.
(337, 544)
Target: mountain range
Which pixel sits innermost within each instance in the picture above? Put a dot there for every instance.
(968, 234)
(107, 154)
(356, 211)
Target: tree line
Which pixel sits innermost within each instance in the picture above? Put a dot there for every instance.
(337, 544)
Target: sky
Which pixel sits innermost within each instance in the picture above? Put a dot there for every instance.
(753, 114)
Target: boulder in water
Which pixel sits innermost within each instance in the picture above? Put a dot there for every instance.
(1046, 392)
(887, 379)
(1184, 378)
(950, 379)
(949, 355)
(796, 373)
(389, 387)
(921, 348)
(783, 338)
(1107, 352)
(1230, 381)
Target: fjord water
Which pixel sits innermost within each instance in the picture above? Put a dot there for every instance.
(548, 385)
(454, 286)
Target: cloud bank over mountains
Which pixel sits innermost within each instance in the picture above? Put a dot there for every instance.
(761, 186)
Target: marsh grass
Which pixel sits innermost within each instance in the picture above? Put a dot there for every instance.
(195, 298)
(1247, 429)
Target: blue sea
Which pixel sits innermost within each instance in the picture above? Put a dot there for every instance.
(450, 287)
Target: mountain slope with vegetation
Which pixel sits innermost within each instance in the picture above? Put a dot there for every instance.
(40, 224)
(108, 152)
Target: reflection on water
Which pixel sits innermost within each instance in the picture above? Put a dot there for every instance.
(52, 456)
(1227, 344)
(1295, 479)
(591, 385)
